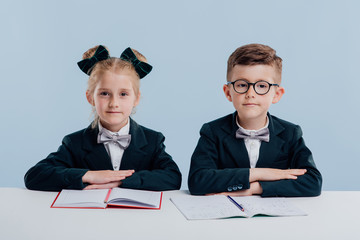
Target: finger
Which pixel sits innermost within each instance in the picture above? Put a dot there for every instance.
(298, 172)
(113, 178)
(221, 193)
(124, 173)
(127, 172)
(239, 193)
(103, 186)
(211, 194)
(291, 177)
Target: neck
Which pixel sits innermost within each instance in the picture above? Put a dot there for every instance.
(114, 128)
(252, 124)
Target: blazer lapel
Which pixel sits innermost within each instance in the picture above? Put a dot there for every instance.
(134, 153)
(269, 151)
(96, 156)
(235, 147)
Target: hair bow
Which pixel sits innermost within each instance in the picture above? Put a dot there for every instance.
(142, 68)
(87, 65)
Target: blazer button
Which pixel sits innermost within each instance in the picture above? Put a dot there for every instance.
(229, 189)
(240, 186)
(235, 188)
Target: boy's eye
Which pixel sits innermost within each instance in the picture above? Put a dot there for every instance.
(261, 86)
(241, 85)
(104, 94)
(123, 94)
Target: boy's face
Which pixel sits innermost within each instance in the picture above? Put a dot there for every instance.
(250, 106)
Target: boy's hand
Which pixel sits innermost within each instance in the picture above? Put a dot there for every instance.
(106, 176)
(272, 174)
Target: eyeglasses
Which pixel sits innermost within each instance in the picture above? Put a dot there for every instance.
(260, 87)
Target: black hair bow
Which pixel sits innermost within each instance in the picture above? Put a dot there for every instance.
(142, 68)
(87, 65)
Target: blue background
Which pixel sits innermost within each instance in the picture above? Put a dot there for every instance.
(188, 43)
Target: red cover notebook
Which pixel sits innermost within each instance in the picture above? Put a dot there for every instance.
(103, 198)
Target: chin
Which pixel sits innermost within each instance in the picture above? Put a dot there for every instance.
(250, 115)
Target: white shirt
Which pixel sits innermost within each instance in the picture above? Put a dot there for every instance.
(253, 145)
(113, 149)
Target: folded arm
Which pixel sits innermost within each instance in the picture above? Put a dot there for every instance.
(162, 175)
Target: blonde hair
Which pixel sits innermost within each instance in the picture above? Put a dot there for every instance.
(111, 64)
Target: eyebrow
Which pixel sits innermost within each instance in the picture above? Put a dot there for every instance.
(103, 89)
(108, 89)
(244, 79)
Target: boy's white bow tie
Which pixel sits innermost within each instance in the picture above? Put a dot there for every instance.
(262, 135)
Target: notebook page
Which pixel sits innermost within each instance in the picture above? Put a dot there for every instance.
(78, 198)
(268, 206)
(150, 198)
(206, 207)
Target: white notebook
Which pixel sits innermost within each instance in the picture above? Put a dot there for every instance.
(220, 206)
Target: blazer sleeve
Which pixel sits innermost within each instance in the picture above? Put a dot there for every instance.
(206, 175)
(57, 171)
(307, 185)
(163, 174)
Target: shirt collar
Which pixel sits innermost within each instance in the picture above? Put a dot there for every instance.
(123, 131)
(249, 130)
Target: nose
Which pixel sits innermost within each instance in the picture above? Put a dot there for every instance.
(250, 92)
(114, 102)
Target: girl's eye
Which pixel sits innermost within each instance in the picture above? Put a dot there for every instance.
(104, 94)
(123, 94)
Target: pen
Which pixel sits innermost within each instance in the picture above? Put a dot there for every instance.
(238, 205)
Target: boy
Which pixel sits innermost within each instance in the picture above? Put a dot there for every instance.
(251, 152)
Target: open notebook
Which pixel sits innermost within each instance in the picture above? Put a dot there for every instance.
(220, 206)
(103, 198)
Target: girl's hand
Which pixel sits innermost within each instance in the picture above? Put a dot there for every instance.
(272, 174)
(106, 176)
(103, 186)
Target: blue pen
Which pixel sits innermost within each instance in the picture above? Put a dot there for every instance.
(238, 205)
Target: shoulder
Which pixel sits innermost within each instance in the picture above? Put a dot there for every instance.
(79, 136)
(225, 120)
(220, 126)
(285, 127)
(144, 132)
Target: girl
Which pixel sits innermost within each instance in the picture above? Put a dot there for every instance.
(114, 150)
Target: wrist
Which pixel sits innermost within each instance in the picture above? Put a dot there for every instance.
(253, 175)
(256, 188)
(86, 178)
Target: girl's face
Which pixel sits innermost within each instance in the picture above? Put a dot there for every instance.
(114, 98)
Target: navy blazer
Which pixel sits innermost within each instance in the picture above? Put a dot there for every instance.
(80, 152)
(220, 162)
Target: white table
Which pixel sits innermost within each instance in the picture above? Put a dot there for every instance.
(26, 214)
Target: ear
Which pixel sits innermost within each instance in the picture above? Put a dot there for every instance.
(226, 90)
(278, 94)
(137, 100)
(90, 98)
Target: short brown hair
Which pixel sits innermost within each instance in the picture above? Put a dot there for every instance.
(254, 54)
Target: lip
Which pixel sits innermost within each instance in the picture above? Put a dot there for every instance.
(112, 112)
(250, 104)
